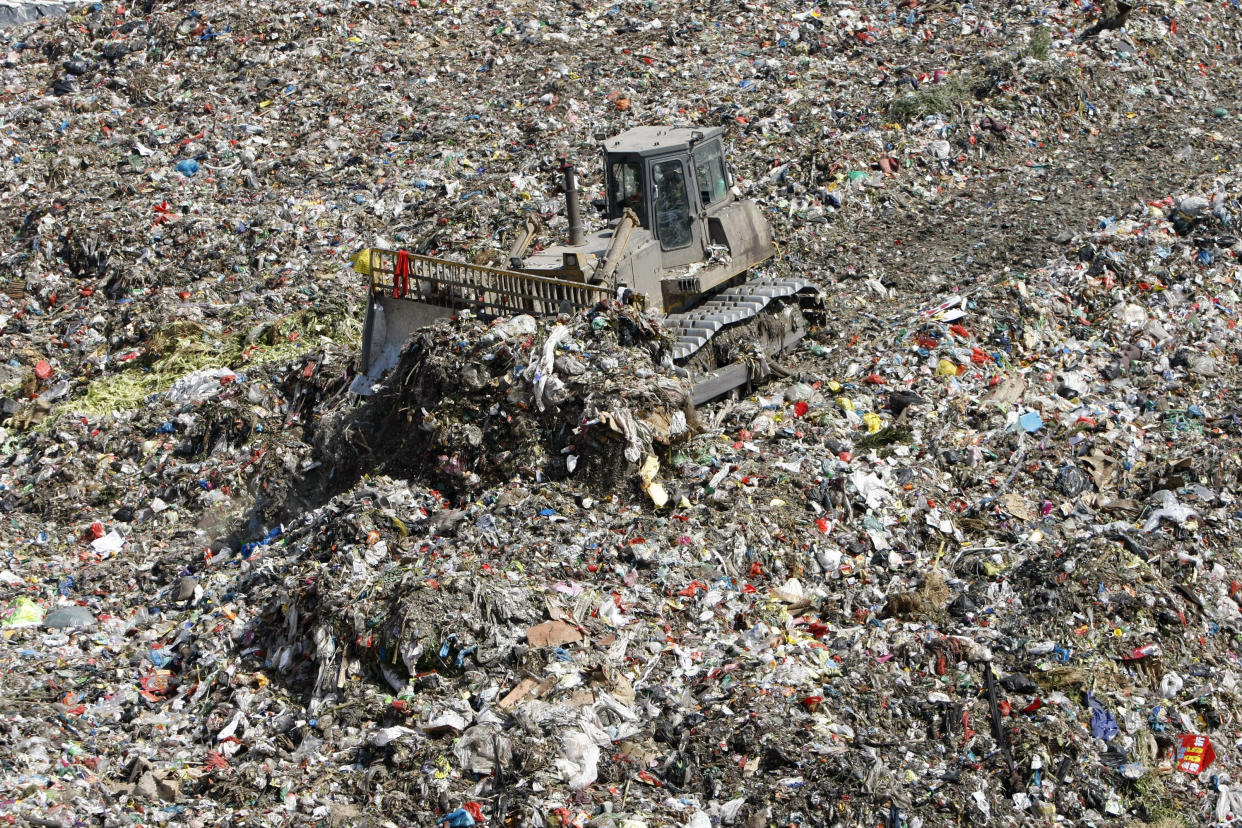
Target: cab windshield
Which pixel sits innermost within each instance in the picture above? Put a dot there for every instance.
(672, 204)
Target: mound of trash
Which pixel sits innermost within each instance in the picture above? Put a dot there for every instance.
(593, 398)
(973, 558)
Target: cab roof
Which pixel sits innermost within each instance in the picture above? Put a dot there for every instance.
(652, 140)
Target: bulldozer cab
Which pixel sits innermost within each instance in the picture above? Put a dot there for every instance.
(674, 180)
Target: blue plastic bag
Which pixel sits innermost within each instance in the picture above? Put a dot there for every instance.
(1103, 725)
(458, 818)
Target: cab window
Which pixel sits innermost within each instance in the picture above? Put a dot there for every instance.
(709, 169)
(672, 204)
(627, 188)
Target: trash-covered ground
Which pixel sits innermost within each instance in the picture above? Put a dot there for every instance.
(974, 559)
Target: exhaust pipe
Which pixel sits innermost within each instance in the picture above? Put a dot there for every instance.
(576, 236)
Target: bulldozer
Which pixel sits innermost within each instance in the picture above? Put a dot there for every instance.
(677, 239)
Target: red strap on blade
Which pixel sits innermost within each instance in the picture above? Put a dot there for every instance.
(401, 275)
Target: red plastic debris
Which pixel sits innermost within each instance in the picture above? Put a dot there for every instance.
(1194, 753)
(216, 761)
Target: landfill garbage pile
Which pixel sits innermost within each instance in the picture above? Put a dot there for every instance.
(196, 457)
(849, 606)
(164, 163)
(593, 395)
(975, 559)
(990, 573)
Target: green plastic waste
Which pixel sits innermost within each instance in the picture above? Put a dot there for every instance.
(22, 613)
